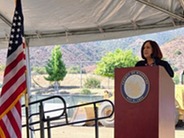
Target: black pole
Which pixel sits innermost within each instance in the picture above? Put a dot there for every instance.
(41, 121)
(48, 128)
(27, 114)
(27, 122)
(96, 121)
(182, 78)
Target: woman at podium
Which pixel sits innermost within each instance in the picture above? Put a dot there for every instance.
(152, 56)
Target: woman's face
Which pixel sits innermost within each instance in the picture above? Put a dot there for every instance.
(147, 50)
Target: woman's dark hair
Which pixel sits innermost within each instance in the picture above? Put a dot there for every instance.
(156, 50)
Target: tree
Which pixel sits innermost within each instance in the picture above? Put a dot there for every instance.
(114, 60)
(55, 67)
(176, 79)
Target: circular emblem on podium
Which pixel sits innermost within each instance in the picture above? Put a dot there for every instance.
(135, 86)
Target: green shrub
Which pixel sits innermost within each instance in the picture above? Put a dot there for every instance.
(39, 70)
(2, 67)
(85, 91)
(92, 83)
(178, 52)
(75, 70)
(176, 79)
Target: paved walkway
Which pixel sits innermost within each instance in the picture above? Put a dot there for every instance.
(87, 132)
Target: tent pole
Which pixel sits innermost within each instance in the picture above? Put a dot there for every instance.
(28, 94)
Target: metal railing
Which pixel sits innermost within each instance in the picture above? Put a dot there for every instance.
(45, 122)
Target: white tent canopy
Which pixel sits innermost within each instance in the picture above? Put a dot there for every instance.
(50, 22)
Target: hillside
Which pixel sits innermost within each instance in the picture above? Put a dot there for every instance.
(171, 42)
(173, 51)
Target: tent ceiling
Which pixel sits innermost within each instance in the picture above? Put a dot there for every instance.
(50, 22)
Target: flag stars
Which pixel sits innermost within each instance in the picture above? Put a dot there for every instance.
(13, 30)
(9, 48)
(15, 36)
(19, 23)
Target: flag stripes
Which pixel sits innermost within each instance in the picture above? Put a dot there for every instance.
(14, 83)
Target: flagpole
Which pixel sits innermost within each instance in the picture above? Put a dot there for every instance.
(27, 114)
(28, 93)
(28, 82)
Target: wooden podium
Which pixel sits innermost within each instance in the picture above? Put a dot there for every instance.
(144, 103)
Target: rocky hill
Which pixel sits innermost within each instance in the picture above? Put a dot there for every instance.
(171, 43)
(173, 51)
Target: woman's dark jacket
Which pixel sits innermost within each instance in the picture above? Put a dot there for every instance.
(163, 63)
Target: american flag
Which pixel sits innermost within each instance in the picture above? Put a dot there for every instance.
(14, 83)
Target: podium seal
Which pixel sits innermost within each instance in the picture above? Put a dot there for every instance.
(135, 86)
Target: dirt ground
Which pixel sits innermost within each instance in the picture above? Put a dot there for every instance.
(76, 132)
(87, 132)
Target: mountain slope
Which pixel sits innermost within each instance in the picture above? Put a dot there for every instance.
(171, 43)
